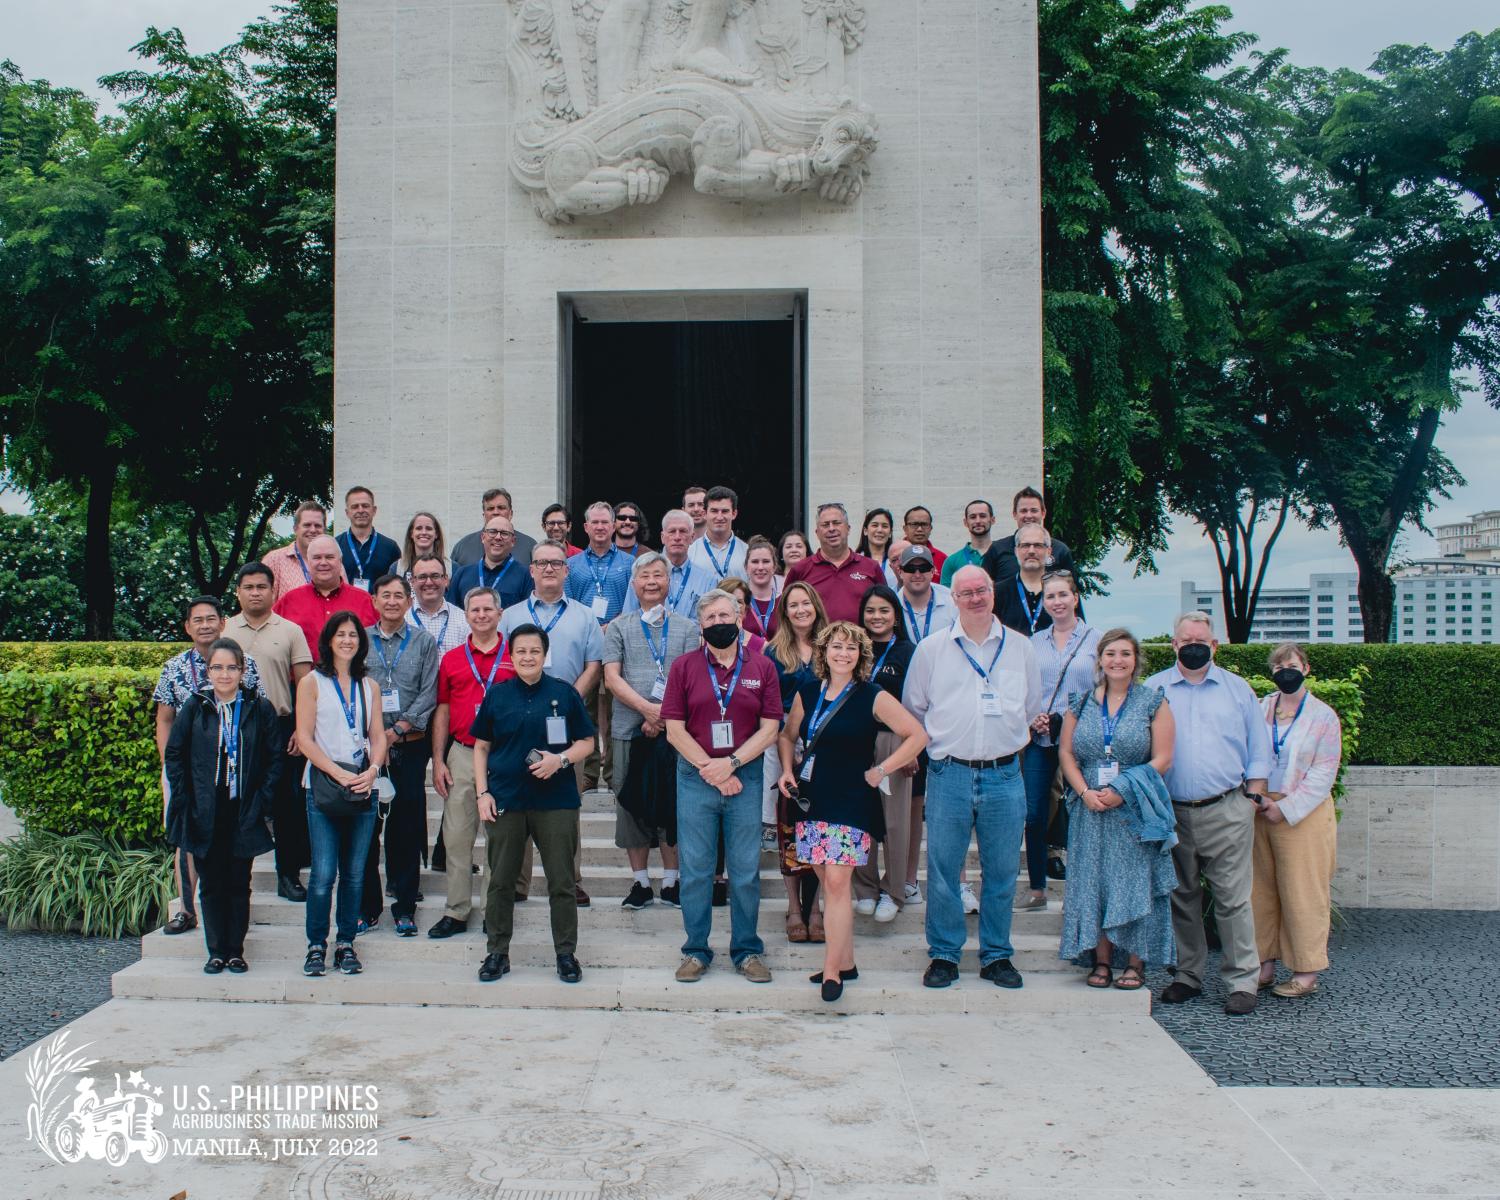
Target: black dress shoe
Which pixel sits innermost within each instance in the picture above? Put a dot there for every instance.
(181, 923)
(1001, 973)
(494, 966)
(447, 927)
(237, 965)
(848, 976)
(940, 973)
(289, 887)
(1179, 993)
(568, 969)
(1056, 868)
(213, 966)
(1241, 1004)
(832, 990)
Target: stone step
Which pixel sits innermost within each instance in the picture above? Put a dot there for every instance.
(877, 947)
(634, 988)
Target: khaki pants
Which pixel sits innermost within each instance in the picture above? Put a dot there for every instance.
(555, 833)
(460, 831)
(867, 884)
(1216, 841)
(1293, 873)
(523, 877)
(597, 768)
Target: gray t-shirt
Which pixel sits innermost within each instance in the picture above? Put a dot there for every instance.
(625, 643)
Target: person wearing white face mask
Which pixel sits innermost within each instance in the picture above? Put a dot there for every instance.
(639, 650)
(1296, 829)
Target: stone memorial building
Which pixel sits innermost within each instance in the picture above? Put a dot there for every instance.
(604, 248)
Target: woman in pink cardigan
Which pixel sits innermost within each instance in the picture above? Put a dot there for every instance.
(1296, 829)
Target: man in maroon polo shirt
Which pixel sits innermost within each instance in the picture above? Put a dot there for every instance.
(839, 575)
(310, 605)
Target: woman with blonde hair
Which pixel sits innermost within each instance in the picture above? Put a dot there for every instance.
(835, 782)
(800, 617)
(1115, 748)
(1296, 829)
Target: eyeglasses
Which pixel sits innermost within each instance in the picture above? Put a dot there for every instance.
(972, 594)
(556, 523)
(919, 524)
(631, 517)
(224, 668)
(548, 564)
(918, 568)
(428, 577)
(499, 533)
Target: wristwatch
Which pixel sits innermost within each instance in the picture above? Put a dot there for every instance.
(563, 758)
(734, 761)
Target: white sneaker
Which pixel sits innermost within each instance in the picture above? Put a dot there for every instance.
(864, 907)
(886, 910)
(970, 900)
(913, 894)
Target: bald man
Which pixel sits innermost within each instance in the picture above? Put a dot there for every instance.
(310, 605)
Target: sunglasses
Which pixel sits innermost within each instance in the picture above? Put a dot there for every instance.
(918, 568)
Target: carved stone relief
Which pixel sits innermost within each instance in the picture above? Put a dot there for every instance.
(747, 97)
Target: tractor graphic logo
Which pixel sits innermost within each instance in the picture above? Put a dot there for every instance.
(109, 1127)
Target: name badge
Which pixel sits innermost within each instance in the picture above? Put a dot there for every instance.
(989, 704)
(885, 784)
(362, 584)
(547, 662)
(659, 688)
(805, 774)
(722, 733)
(390, 700)
(600, 607)
(557, 731)
(1277, 781)
(1107, 773)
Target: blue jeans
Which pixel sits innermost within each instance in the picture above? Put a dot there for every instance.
(1038, 768)
(962, 801)
(339, 845)
(701, 814)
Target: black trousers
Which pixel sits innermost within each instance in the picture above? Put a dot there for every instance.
(289, 808)
(224, 885)
(405, 832)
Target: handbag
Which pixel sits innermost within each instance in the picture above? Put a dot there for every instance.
(804, 802)
(331, 797)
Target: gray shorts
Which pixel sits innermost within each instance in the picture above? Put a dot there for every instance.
(630, 834)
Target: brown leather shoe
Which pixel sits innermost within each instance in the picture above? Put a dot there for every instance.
(1241, 1004)
(691, 969)
(755, 970)
(581, 896)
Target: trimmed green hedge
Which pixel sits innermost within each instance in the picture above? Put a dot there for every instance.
(78, 752)
(60, 656)
(1423, 705)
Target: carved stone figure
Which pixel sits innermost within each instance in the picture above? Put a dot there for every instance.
(745, 96)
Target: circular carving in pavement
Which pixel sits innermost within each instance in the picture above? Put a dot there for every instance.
(521, 1154)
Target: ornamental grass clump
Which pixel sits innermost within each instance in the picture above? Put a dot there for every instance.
(87, 882)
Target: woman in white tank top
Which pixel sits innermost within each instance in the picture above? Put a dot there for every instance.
(339, 727)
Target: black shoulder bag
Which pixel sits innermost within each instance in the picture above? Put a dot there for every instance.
(331, 797)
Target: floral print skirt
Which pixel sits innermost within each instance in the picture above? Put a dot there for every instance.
(824, 844)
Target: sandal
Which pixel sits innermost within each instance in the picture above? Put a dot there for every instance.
(815, 930)
(1132, 979)
(796, 928)
(1100, 977)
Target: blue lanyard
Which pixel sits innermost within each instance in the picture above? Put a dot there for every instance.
(764, 618)
(1111, 723)
(231, 734)
(821, 708)
(390, 667)
(499, 575)
(352, 546)
(722, 695)
(355, 692)
(687, 574)
(600, 573)
(912, 615)
(192, 667)
(441, 633)
(661, 659)
(1033, 615)
(302, 562)
(1277, 740)
(536, 620)
(973, 662)
(880, 662)
(708, 548)
(484, 684)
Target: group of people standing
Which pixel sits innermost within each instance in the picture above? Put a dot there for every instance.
(807, 697)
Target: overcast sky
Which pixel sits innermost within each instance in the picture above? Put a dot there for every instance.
(74, 42)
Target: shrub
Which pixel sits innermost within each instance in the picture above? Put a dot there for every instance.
(1423, 705)
(59, 656)
(86, 881)
(79, 751)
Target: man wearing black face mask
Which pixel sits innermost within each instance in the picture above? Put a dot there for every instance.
(1221, 753)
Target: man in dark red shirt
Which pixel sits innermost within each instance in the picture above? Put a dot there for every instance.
(310, 605)
(466, 673)
(839, 575)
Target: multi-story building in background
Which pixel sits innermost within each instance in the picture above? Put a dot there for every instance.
(1477, 539)
(1448, 600)
(1326, 610)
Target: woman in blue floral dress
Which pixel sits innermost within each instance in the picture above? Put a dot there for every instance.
(1116, 745)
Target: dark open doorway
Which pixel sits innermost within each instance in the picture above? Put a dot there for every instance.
(656, 405)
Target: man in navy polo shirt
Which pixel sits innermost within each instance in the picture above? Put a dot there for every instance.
(839, 575)
(497, 569)
(367, 554)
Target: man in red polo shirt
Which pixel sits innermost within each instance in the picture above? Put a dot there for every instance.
(839, 575)
(310, 605)
(466, 673)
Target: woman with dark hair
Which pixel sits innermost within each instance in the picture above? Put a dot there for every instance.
(223, 757)
(882, 896)
(792, 548)
(876, 533)
(424, 539)
(340, 730)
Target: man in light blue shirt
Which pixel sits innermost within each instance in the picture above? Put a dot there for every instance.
(599, 581)
(1222, 746)
(686, 580)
